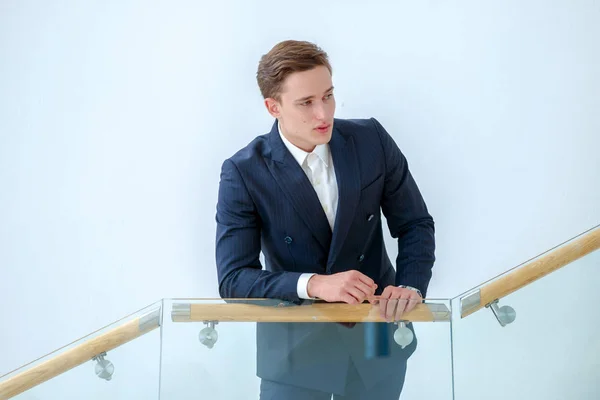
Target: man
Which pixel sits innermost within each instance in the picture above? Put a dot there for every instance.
(308, 195)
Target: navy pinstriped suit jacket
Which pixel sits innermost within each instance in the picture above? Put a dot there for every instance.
(267, 203)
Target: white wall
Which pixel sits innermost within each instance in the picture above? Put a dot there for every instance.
(115, 118)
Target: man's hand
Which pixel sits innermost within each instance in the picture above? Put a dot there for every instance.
(395, 301)
(351, 287)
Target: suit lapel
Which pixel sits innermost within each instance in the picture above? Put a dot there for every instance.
(297, 188)
(343, 152)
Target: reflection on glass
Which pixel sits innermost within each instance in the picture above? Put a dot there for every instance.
(206, 343)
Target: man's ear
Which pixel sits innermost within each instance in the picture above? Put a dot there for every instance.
(273, 107)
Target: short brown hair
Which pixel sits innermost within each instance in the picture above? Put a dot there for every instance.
(285, 58)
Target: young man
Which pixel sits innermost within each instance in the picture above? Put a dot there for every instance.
(309, 195)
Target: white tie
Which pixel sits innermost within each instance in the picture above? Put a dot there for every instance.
(321, 184)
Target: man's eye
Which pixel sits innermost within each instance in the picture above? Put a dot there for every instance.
(307, 103)
(329, 96)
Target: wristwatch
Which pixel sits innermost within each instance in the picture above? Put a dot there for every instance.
(411, 288)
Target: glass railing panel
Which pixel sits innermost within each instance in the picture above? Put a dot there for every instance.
(129, 369)
(550, 351)
(334, 357)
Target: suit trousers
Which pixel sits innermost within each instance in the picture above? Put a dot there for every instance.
(388, 388)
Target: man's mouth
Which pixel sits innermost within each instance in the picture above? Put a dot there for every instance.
(323, 128)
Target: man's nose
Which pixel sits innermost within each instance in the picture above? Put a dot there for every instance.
(319, 111)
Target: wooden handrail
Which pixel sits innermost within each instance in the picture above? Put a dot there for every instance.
(531, 272)
(240, 311)
(78, 355)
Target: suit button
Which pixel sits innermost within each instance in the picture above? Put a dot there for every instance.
(370, 217)
(361, 258)
(288, 239)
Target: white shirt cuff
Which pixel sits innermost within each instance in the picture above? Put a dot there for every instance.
(302, 286)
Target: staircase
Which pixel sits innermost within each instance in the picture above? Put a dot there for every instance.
(531, 333)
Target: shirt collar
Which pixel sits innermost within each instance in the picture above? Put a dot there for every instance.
(321, 150)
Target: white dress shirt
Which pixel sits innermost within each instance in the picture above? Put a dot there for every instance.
(318, 167)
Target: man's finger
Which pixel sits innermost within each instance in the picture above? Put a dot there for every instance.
(402, 303)
(382, 307)
(412, 302)
(387, 292)
(390, 310)
(357, 294)
(366, 280)
(366, 289)
(383, 301)
(348, 298)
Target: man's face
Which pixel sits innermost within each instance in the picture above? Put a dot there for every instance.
(306, 108)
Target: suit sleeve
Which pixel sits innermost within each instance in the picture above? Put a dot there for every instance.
(238, 239)
(407, 217)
